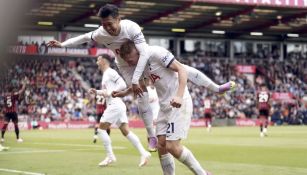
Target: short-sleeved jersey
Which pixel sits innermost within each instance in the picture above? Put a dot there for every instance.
(263, 98)
(10, 102)
(164, 79)
(100, 104)
(207, 105)
(128, 30)
(111, 81)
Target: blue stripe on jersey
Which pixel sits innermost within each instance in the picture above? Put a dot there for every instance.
(170, 63)
(92, 36)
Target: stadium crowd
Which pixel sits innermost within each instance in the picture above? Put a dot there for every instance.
(57, 88)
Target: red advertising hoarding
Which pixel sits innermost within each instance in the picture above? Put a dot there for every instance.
(250, 69)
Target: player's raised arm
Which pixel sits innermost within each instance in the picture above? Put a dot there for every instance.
(23, 88)
(72, 41)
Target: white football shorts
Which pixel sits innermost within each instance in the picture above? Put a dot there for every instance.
(175, 122)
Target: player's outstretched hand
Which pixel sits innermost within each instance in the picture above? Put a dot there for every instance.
(54, 43)
(137, 90)
(176, 102)
(92, 91)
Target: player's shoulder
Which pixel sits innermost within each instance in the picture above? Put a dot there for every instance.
(160, 53)
(127, 22)
(157, 50)
(130, 26)
(111, 71)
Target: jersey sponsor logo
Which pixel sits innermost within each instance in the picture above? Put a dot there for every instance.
(137, 36)
(168, 56)
(154, 78)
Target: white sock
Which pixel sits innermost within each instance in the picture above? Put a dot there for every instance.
(167, 164)
(136, 142)
(200, 79)
(106, 140)
(190, 161)
(146, 114)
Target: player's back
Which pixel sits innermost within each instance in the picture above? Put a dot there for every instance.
(10, 102)
(263, 100)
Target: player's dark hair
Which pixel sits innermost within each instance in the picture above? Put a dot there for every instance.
(126, 48)
(108, 10)
(107, 57)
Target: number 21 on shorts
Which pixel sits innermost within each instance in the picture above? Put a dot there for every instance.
(170, 128)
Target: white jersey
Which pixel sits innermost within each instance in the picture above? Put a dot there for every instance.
(128, 30)
(112, 81)
(153, 101)
(165, 80)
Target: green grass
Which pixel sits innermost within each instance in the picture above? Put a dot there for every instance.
(224, 151)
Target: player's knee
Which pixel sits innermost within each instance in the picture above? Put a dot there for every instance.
(104, 126)
(161, 145)
(125, 131)
(170, 147)
(161, 142)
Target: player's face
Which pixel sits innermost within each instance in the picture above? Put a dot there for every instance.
(132, 58)
(99, 62)
(111, 25)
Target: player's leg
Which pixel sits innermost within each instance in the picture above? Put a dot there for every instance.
(107, 143)
(209, 122)
(166, 159)
(177, 130)
(185, 156)
(98, 117)
(146, 114)
(135, 141)
(261, 126)
(262, 122)
(266, 123)
(145, 111)
(200, 79)
(111, 115)
(15, 122)
(95, 133)
(7, 119)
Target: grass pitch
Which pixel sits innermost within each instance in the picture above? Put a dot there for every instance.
(224, 151)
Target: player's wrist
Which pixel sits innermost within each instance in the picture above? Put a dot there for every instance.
(135, 81)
